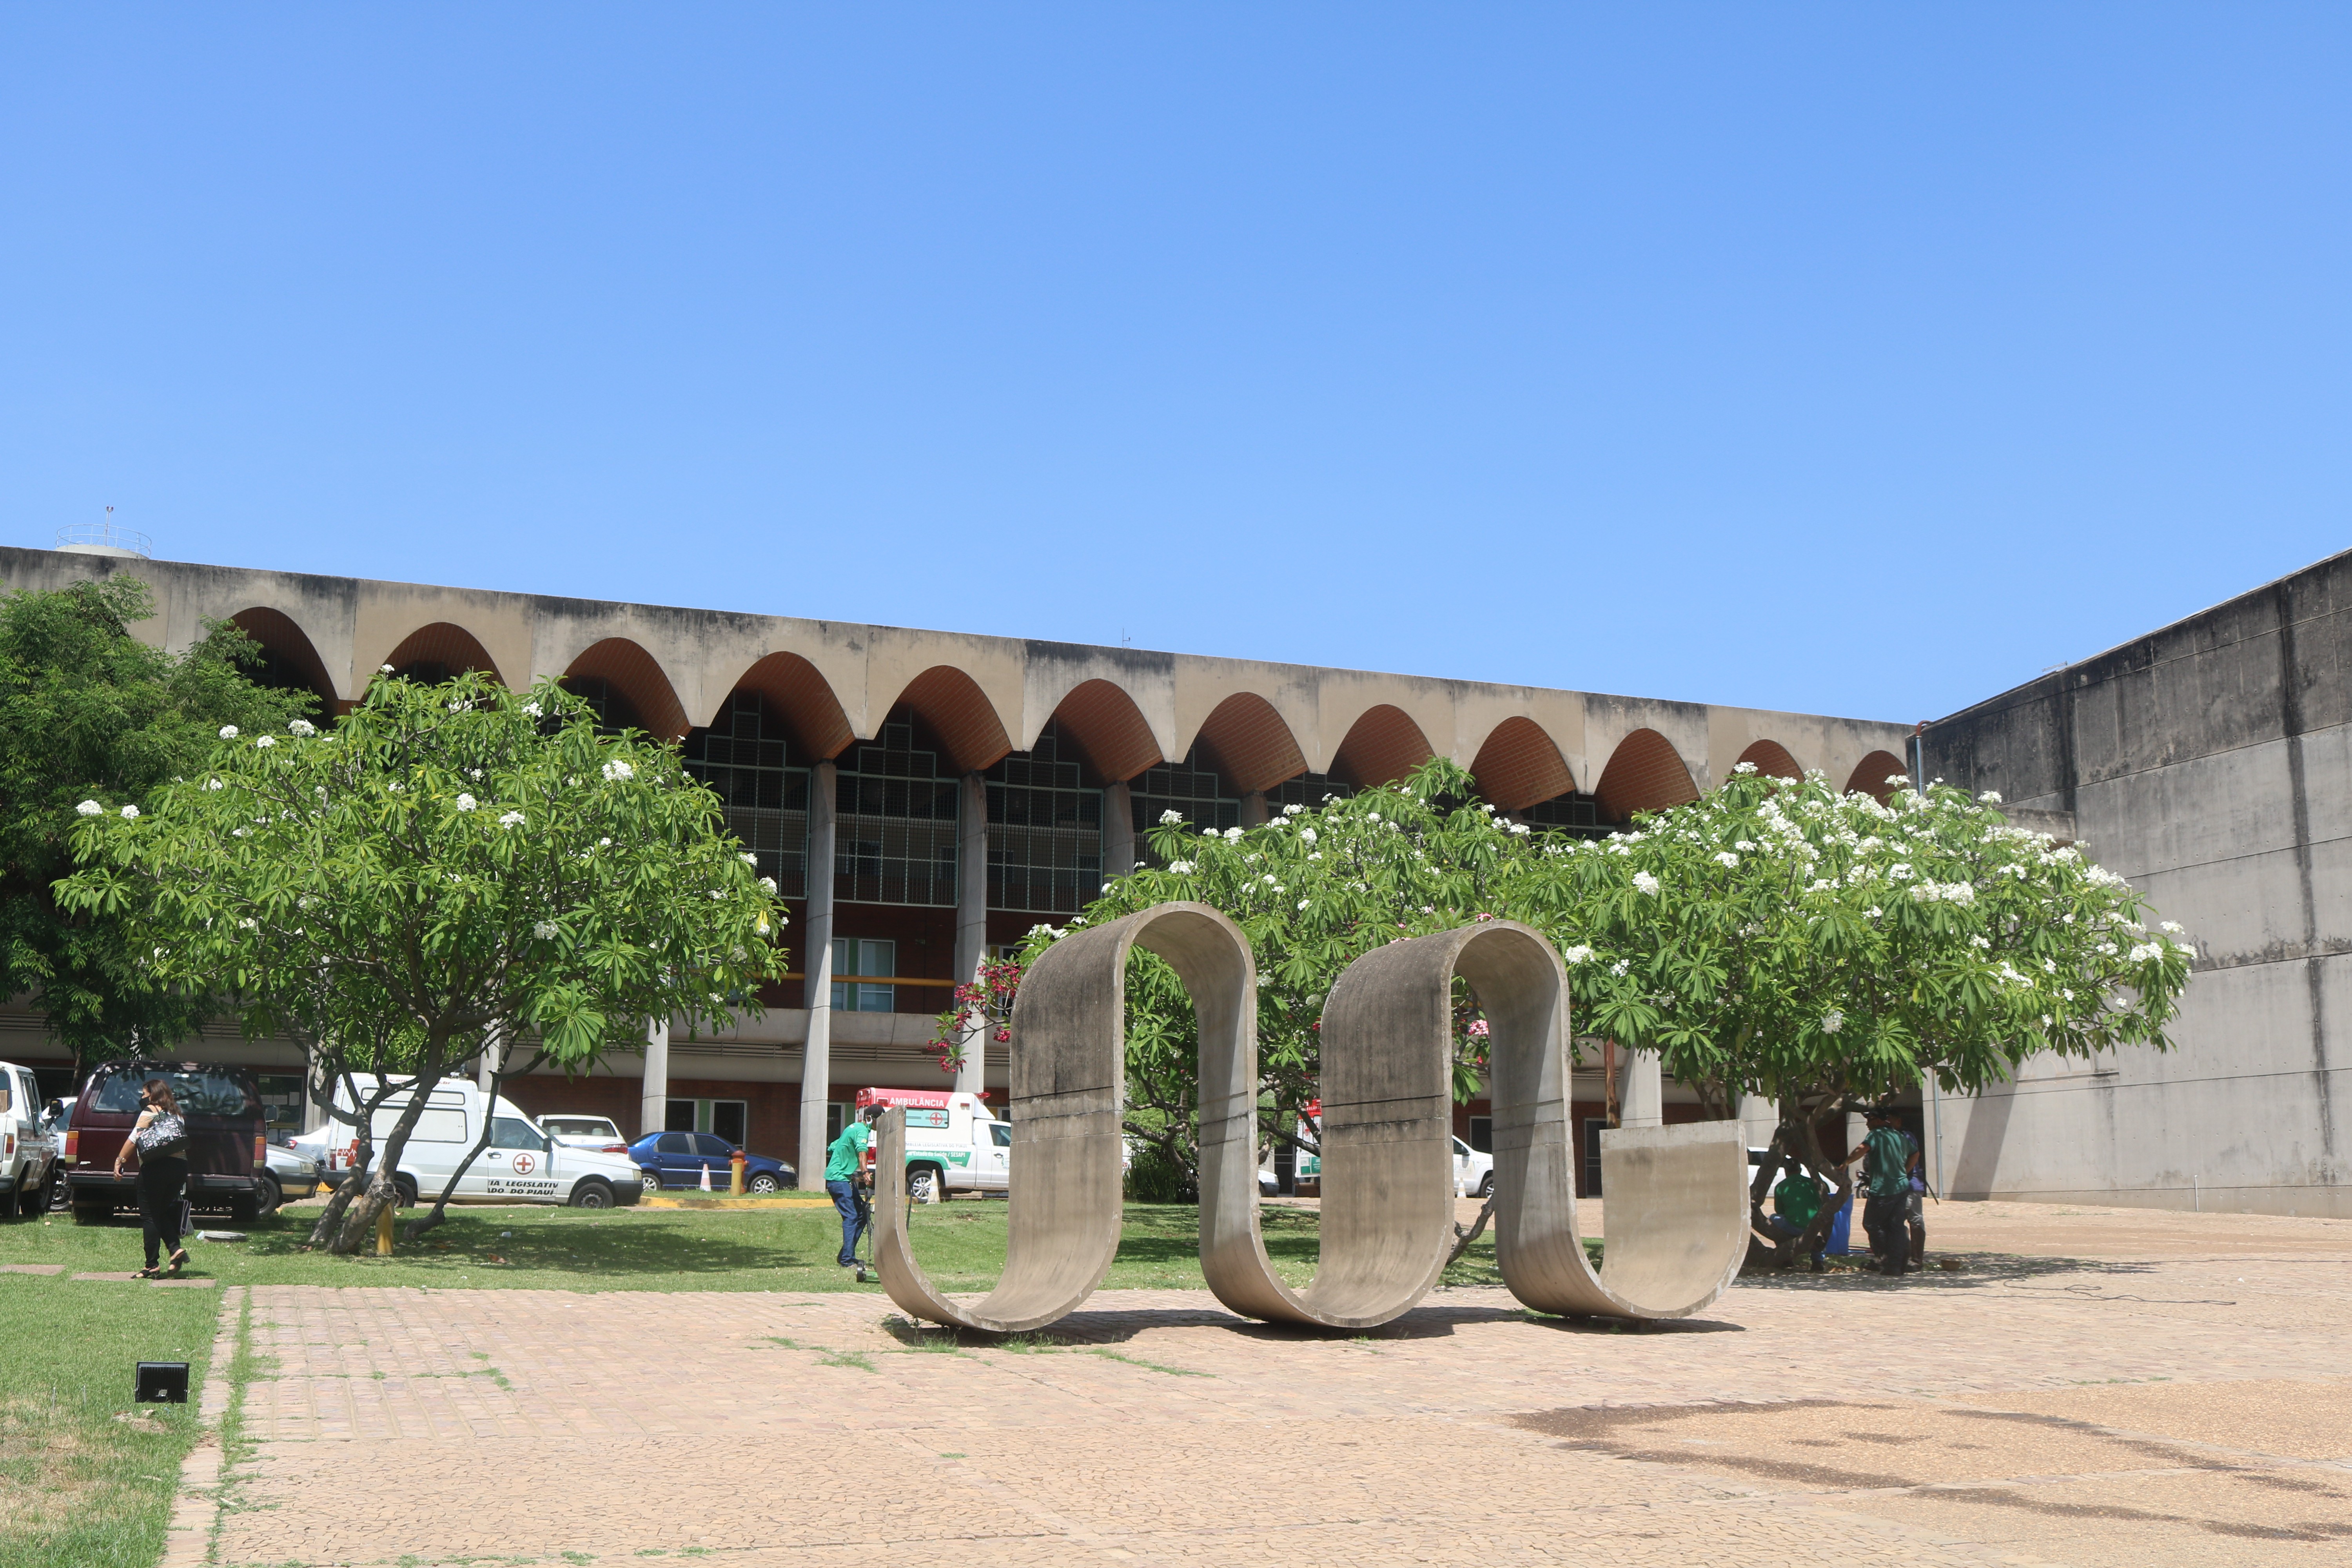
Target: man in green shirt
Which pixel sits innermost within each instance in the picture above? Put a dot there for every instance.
(843, 1164)
(1886, 1192)
(1795, 1201)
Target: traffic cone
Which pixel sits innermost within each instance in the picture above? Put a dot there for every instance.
(706, 1178)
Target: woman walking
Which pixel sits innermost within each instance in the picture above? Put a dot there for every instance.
(161, 1140)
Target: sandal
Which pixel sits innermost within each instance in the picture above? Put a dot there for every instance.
(178, 1261)
(151, 1272)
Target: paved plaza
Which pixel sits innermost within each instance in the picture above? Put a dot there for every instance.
(2093, 1387)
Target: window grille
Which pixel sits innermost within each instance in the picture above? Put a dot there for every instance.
(863, 956)
(1190, 788)
(1045, 832)
(742, 758)
(615, 712)
(894, 824)
(1578, 816)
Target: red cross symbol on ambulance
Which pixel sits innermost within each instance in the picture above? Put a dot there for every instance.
(522, 1165)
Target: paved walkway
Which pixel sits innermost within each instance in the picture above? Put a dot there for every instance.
(2179, 1397)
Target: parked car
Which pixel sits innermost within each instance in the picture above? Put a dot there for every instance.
(521, 1165)
(228, 1165)
(30, 1144)
(1474, 1173)
(679, 1158)
(298, 1174)
(584, 1133)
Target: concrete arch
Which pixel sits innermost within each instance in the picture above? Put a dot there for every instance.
(1645, 774)
(1518, 765)
(1870, 775)
(797, 691)
(638, 677)
(952, 704)
(1773, 758)
(1249, 744)
(1382, 747)
(290, 651)
(446, 645)
(1109, 731)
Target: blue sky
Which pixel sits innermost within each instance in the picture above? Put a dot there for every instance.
(1862, 360)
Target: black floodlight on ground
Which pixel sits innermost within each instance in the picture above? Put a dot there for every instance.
(163, 1382)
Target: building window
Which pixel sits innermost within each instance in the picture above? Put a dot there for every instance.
(1045, 832)
(281, 1100)
(894, 824)
(1308, 790)
(615, 712)
(1191, 789)
(1482, 1134)
(855, 955)
(742, 758)
(730, 1118)
(1578, 815)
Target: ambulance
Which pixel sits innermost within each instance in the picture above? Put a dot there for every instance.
(521, 1165)
(954, 1143)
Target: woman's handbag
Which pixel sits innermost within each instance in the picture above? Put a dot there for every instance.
(165, 1138)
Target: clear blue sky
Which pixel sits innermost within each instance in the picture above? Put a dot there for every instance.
(1862, 360)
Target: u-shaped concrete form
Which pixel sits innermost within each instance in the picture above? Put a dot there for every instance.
(1676, 1221)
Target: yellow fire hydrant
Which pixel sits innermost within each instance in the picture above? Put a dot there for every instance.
(384, 1232)
(735, 1182)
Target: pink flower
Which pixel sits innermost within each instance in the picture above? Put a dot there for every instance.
(1477, 1030)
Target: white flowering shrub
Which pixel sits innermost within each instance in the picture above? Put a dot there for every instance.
(368, 882)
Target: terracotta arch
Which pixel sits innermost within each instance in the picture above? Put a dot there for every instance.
(1517, 766)
(1645, 774)
(638, 675)
(1870, 775)
(1108, 730)
(961, 715)
(290, 652)
(1247, 742)
(1771, 757)
(449, 645)
(1382, 745)
(797, 691)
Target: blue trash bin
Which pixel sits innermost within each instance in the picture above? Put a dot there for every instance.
(1841, 1232)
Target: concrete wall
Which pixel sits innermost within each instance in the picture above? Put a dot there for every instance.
(2211, 762)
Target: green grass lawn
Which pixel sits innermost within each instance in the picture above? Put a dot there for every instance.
(961, 1244)
(79, 1487)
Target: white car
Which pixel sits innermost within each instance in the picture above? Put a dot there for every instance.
(29, 1143)
(521, 1165)
(1474, 1173)
(584, 1133)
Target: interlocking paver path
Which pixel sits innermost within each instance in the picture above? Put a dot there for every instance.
(2122, 1388)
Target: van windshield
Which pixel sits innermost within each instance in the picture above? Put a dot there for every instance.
(202, 1092)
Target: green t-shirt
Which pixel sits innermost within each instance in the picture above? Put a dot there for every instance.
(841, 1161)
(1886, 1163)
(1796, 1200)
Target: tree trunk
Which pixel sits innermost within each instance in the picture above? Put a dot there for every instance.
(1465, 1235)
(383, 1190)
(354, 1182)
(417, 1227)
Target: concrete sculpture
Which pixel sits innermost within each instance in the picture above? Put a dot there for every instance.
(1676, 1221)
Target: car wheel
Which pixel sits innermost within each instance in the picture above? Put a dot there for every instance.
(405, 1187)
(268, 1196)
(923, 1185)
(592, 1194)
(1486, 1185)
(92, 1213)
(653, 1180)
(764, 1184)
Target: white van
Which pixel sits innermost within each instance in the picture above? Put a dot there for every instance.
(954, 1143)
(521, 1165)
(29, 1143)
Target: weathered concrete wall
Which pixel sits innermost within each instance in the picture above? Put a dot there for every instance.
(2211, 762)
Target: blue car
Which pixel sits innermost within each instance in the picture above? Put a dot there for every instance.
(679, 1160)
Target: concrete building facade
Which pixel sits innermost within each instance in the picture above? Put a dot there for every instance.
(2211, 764)
(924, 797)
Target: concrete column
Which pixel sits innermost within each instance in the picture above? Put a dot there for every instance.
(1759, 1119)
(652, 1107)
(494, 1057)
(816, 964)
(1641, 1089)
(971, 916)
(1254, 809)
(1119, 829)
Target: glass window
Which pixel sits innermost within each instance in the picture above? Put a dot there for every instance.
(1482, 1134)
(1045, 832)
(199, 1093)
(580, 1126)
(894, 833)
(1578, 815)
(1001, 1135)
(855, 955)
(1309, 790)
(1191, 789)
(677, 1116)
(741, 758)
(513, 1132)
(676, 1143)
(709, 1145)
(281, 1098)
(1460, 1149)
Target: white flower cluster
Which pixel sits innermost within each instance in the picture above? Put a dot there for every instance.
(129, 811)
(90, 808)
(1727, 860)
(301, 729)
(1180, 867)
(532, 709)
(770, 884)
(1832, 1021)
(1170, 818)
(265, 742)
(466, 803)
(616, 770)
(1572, 956)
(1960, 893)
(1232, 836)
(228, 731)
(1646, 884)
(512, 819)
(544, 930)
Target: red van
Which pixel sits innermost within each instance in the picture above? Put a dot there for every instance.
(229, 1159)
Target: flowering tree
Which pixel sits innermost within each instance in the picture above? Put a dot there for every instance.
(1824, 951)
(451, 865)
(86, 708)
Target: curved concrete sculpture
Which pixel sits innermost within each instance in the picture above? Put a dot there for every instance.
(1676, 1220)
(1069, 1083)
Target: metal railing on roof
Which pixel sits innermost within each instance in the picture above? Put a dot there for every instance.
(104, 539)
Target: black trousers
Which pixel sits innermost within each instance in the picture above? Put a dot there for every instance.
(160, 1184)
(1887, 1221)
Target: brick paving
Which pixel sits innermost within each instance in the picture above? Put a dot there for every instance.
(2179, 1396)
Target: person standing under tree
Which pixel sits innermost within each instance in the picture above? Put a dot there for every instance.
(1887, 1159)
(842, 1163)
(161, 1139)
